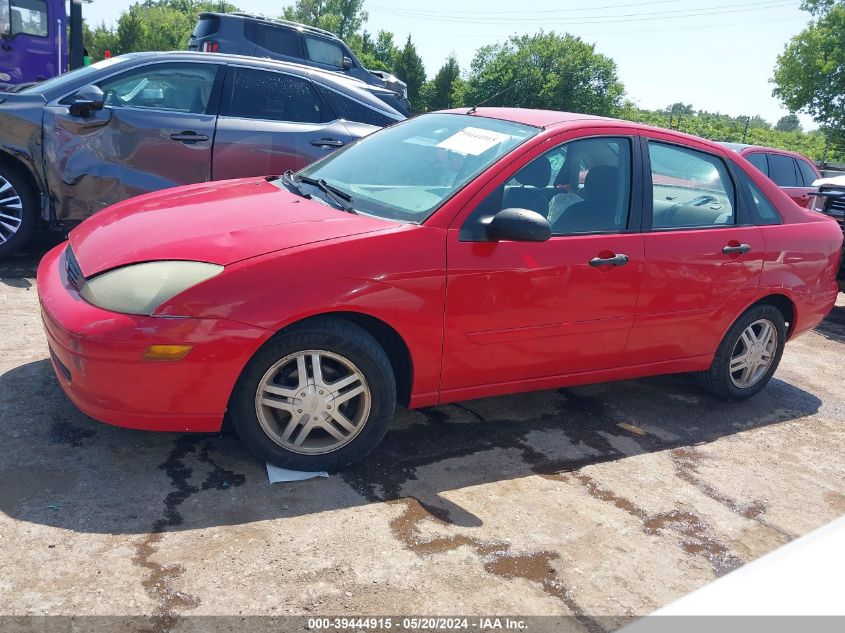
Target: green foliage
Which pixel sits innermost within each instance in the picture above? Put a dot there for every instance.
(546, 70)
(788, 123)
(408, 66)
(446, 89)
(342, 17)
(810, 73)
(721, 127)
(151, 25)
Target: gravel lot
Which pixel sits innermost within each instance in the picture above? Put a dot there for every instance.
(608, 500)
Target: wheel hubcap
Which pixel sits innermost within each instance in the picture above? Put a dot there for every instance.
(753, 353)
(313, 402)
(11, 210)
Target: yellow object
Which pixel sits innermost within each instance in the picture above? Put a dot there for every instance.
(167, 352)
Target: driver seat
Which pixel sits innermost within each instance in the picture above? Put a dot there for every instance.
(597, 212)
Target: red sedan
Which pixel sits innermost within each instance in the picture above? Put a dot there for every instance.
(456, 255)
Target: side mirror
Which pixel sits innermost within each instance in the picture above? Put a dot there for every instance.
(519, 225)
(347, 63)
(87, 100)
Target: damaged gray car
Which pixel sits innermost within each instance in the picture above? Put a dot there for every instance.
(141, 122)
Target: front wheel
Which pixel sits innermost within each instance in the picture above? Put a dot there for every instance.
(748, 355)
(318, 396)
(18, 210)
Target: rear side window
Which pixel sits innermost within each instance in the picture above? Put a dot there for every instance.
(760, 161)
(273, 38)
(783, 170)
(350, 110)
(689, 188)
(272, 96)
(208, 25)
(323, 51)
(807, 172)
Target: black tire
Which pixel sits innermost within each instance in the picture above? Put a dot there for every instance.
(28, 211)
(337, 336)
(717, 380)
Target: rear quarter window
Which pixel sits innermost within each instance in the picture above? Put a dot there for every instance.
(350, 110)
(206, 26)
(807, 172)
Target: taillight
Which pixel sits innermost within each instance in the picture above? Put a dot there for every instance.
(211, 47)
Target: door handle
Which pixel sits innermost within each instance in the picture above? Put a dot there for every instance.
(616, 260)
(326, 142)
(739, 248)
(188, 137)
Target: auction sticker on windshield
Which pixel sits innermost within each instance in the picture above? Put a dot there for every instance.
(473, 140)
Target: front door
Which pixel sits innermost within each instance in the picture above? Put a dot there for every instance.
(517, 312)
(271, 122)
(155, 131)
(703, 255)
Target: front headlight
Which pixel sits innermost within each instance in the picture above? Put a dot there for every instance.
(141, 288)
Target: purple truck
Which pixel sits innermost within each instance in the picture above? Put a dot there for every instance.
(39, 39)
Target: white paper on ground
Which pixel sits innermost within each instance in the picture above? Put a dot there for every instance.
(276, 474)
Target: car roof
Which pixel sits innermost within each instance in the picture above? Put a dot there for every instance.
(527, 116)
(242, 15)
(745, 148)
(265, 62)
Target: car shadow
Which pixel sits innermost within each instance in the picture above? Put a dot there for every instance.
(833, 327)
(62, 469)
(18, 270)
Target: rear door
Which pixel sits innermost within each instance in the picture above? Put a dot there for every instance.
(155, 131)
(270, 122)
(703, 254)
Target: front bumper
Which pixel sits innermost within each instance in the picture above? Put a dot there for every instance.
(98, 357)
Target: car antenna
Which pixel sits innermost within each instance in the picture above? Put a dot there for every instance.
(489, 99)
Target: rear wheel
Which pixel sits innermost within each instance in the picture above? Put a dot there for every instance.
(18, 210)
(748, 355)
(318, 396)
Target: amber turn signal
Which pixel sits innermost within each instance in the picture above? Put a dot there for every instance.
(167, 352)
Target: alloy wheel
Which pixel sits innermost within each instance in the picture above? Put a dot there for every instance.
(753, 353)
(11, 210)
(313, 402)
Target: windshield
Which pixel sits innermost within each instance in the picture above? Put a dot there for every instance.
(406, 171)
(57, 83)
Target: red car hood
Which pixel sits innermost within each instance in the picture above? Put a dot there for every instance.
(218, 222)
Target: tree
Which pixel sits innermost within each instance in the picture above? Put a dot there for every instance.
(810, 73)
(546, 70)
(408, 66)
(788, 123)
(342, 17)
(446, 89)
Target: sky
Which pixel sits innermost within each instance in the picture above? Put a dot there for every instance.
(717, 55)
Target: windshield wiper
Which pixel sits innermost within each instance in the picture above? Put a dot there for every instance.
(338, 196)
(288, 181)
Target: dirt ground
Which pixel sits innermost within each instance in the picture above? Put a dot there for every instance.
(607, 500)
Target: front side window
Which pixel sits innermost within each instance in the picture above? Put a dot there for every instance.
(173, 86)
(28, 17)
(323, 51)
(759, 160)
(406, 171)
(272, 96)
(273, 38)
(689, 188)
(583, 186)
(782, 170)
